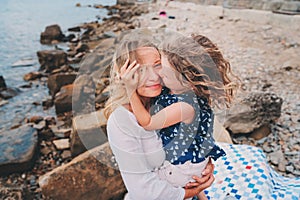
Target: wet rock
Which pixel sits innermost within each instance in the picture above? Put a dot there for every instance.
(32, 76)
(87, 132)
(63, 99)
(256, 110)
(51, 33)
(62, 132)
(74, 29)
(36, 119)
(40, 126)
(3, 102)
(81, 47)
(61, 144)
(9, 93)
(56, 81)
(51, 59)
(88, 176)
(18, 149)
(2, 83)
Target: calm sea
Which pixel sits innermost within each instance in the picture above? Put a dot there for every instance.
(21, 23)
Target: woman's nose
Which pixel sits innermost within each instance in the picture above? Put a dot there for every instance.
(153, 75)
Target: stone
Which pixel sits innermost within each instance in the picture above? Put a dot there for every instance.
(51, 33)
(61, 144)
(74, 29)
(36, 119)
(32, 76)
(9, 93)
(63, 99)
(254, 111)
(87, 132)
(2, 83)
(18, 149)
(102, 97)
(261, 132)
(88, 176)
(12, 193)
(56, 81)
(66, 154)
(276, 157)
(51, 59)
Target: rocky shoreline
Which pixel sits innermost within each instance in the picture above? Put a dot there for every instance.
(267, 54)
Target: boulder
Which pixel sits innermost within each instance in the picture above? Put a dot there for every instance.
(63, 99)
(220, 133)
(51, 33)
(253, 112)
(18, 149)
(87, 132)
(88, 176)
(56, 81)
(51, 59)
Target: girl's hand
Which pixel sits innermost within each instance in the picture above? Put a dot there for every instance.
(129, 76)
(208, 171)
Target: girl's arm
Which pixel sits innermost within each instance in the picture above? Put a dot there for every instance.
(177, 112)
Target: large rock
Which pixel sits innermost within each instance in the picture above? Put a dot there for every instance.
(253, 112)
(51, 59)
(220, 133)
(17, 149)
(88, 132)
(2, 83)
(63, 99)
(51, 33)
(88, 176)
(56, 81)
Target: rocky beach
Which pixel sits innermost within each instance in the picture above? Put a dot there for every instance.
(263, 48)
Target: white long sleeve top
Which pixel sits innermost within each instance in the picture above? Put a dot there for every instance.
(137, 153)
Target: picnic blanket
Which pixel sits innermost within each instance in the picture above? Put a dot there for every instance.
(245, 174)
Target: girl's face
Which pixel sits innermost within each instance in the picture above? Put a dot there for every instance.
(171, 78)
(149, 83)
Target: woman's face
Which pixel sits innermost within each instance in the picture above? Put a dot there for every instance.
(149, 83)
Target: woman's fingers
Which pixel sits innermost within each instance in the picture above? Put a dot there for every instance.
(124, 67)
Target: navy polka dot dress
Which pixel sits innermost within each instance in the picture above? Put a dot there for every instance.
(183, 142)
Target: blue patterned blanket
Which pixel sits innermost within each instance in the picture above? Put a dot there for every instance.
(245, 174)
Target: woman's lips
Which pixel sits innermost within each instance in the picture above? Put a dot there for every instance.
(156, 86)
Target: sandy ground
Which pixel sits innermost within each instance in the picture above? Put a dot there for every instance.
(262, 47)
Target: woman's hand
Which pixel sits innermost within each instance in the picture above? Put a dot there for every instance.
(129, 76)
(189, 193)
(207, 172)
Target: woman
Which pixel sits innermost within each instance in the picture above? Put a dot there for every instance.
(138, 152)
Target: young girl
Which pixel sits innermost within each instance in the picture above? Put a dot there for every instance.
(196, 76)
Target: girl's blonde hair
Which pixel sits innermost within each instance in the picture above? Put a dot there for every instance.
(203, 67)
(127, 49)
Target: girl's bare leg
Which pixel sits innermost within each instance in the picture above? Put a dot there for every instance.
(202, 196)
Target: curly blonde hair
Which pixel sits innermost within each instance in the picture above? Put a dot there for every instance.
(204, 68)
